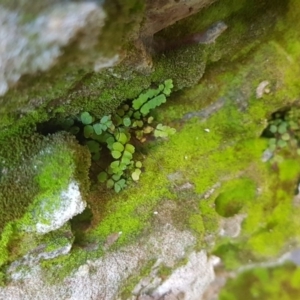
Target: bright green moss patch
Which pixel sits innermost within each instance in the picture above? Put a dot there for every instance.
(55, 270)
(288, 170)
(271, 221)
(6, 240)
(130, 211)
(234, 195)
(196, 224)
(45, 170)
(50, 175)
(230, 144)
(274, 283)
(206, 157)
(221, 146)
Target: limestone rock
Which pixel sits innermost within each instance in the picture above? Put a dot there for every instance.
(68, 204)
(35, 46)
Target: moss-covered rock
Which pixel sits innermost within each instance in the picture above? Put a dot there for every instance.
(217, 150)
(48, 179)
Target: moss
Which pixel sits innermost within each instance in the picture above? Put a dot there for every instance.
(260, 283)
(124, 18)
(45, 168)
(233, 254)
(55, 270)
(210, 217)
(196, 223)
(6, 240)
(268, 216)
(244, 34)
(205, 158)
(165, 66)
(288, 170)
(73, 90)
(234, 195)
(231, 145)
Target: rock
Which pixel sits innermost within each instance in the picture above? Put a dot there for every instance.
(59, 195)
(161, 14)
(35, 46)
(231, 227)
(190, 280)
(68, 204)
(262, 89)
(44, 178)
(45, 187)
(59, 244)
(103, 278)
(267, 155)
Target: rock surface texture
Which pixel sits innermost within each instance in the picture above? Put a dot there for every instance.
(29, 47)
(101, 279)
(149, 150)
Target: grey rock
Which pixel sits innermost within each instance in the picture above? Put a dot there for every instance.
(35, 46)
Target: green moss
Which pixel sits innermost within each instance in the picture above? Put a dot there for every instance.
(233, 254)
(231, 145)
(206, 158)
(123, 20)
(269, 215)
(165, 66)
(43, 171)
(234, 195)
(6, 240)
(274, 283)
(209, 215)
(55, 270)
(197, 224)
(289, 170)
(73, 90)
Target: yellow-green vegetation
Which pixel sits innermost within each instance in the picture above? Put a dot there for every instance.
(222, 146)
(231, 145)
(272, 220)
(234, 195)
(230, 153)
(117, 133)
(47, 167)
(75, 88)
(260, 283)
(34, 165)
(123, 18)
